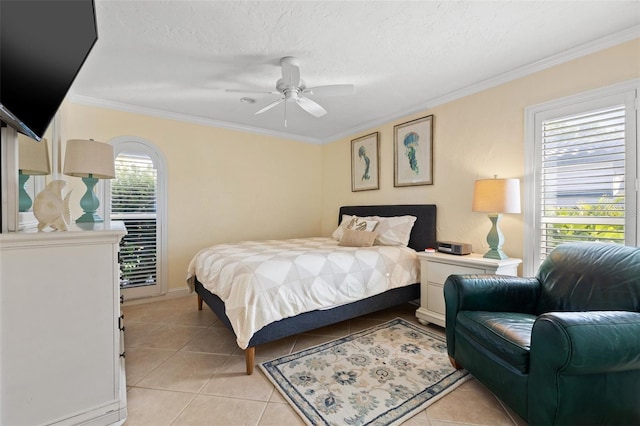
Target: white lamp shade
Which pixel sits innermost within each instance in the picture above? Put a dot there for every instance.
(497, 196)
(33, 156)
(87, 157)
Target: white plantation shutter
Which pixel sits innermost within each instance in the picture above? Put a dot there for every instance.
(581, 171)
(134, 201)
(583, 178)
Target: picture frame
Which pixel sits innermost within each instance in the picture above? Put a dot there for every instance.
(413, 152)
(365, 163)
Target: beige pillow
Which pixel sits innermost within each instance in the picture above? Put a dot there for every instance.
(394, 231)
(351, 238)
(354, 222)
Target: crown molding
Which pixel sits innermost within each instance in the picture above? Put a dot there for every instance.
(123, 107)
(537, 66)
(568, 55)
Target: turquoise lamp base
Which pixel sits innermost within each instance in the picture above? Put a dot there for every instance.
(495, 239)
(24, 201)
(495, 254)
(89, 202)
(89, 217)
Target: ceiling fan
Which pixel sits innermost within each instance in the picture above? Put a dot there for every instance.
(293, 89)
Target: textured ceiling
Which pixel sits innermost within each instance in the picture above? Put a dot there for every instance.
(178, 57)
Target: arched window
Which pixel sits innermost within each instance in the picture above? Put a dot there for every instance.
(138, 198)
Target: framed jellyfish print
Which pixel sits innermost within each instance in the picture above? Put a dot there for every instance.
(413, 152)
(365, 165)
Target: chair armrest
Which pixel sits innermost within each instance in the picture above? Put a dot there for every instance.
(585, 367)
(498, 293)
(586, 342)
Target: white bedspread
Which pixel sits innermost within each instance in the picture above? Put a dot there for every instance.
(265, 281)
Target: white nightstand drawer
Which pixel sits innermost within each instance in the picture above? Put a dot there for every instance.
(435, 298)
(435, 268)
(438, 272)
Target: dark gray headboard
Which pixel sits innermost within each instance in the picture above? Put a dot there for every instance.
(423, 234)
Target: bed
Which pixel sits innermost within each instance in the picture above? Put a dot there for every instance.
(423, 235)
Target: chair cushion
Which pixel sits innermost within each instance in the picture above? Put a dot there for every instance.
(505, 334)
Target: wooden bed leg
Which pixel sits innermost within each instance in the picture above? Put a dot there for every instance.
(249, 357)
(199, 302)
(455, 364)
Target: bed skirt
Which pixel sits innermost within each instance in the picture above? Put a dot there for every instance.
(314, 319)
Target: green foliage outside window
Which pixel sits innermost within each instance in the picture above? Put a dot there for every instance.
(134, 189)
(133, 200)
(583, 230)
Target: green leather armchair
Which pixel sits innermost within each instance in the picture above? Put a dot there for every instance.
(561, 348)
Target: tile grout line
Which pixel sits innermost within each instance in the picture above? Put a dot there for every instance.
(265, 412)
(183, 409)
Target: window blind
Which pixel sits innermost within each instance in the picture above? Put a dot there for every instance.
(133, 201)
(583, 178)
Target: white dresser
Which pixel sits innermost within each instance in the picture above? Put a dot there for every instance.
(62, 358)
(436, 267)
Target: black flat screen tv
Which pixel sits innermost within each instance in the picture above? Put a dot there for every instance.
(43, 44)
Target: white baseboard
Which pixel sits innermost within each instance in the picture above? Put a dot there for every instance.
(173, 293)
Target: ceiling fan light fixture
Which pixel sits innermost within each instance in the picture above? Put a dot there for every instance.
(291, 95)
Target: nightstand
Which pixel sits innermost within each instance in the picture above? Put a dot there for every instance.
(436, 267)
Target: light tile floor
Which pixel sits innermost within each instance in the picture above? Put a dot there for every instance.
(184, 368)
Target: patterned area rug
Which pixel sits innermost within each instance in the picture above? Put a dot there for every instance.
(380, 376)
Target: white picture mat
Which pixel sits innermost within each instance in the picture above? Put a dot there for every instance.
(418, 135)
(365, 168)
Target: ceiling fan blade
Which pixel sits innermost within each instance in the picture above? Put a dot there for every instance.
(331, 90)
(261, 92)
(268, 107)
(311, 107)
(290, 71)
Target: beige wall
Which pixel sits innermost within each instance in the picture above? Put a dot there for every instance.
(474, 137)
(227, 185)
(223, 185)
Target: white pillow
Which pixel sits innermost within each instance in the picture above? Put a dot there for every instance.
(393, 231)
(354, 222)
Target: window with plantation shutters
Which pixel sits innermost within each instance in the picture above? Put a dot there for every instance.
(582, 188)
(137, 197)
(581, 180)
(133, 201)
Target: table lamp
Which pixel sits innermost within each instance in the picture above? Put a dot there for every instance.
(91, 161)
(33, 159)
(496, 196)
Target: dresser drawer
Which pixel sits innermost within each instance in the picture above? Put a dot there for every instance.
(438, 272)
